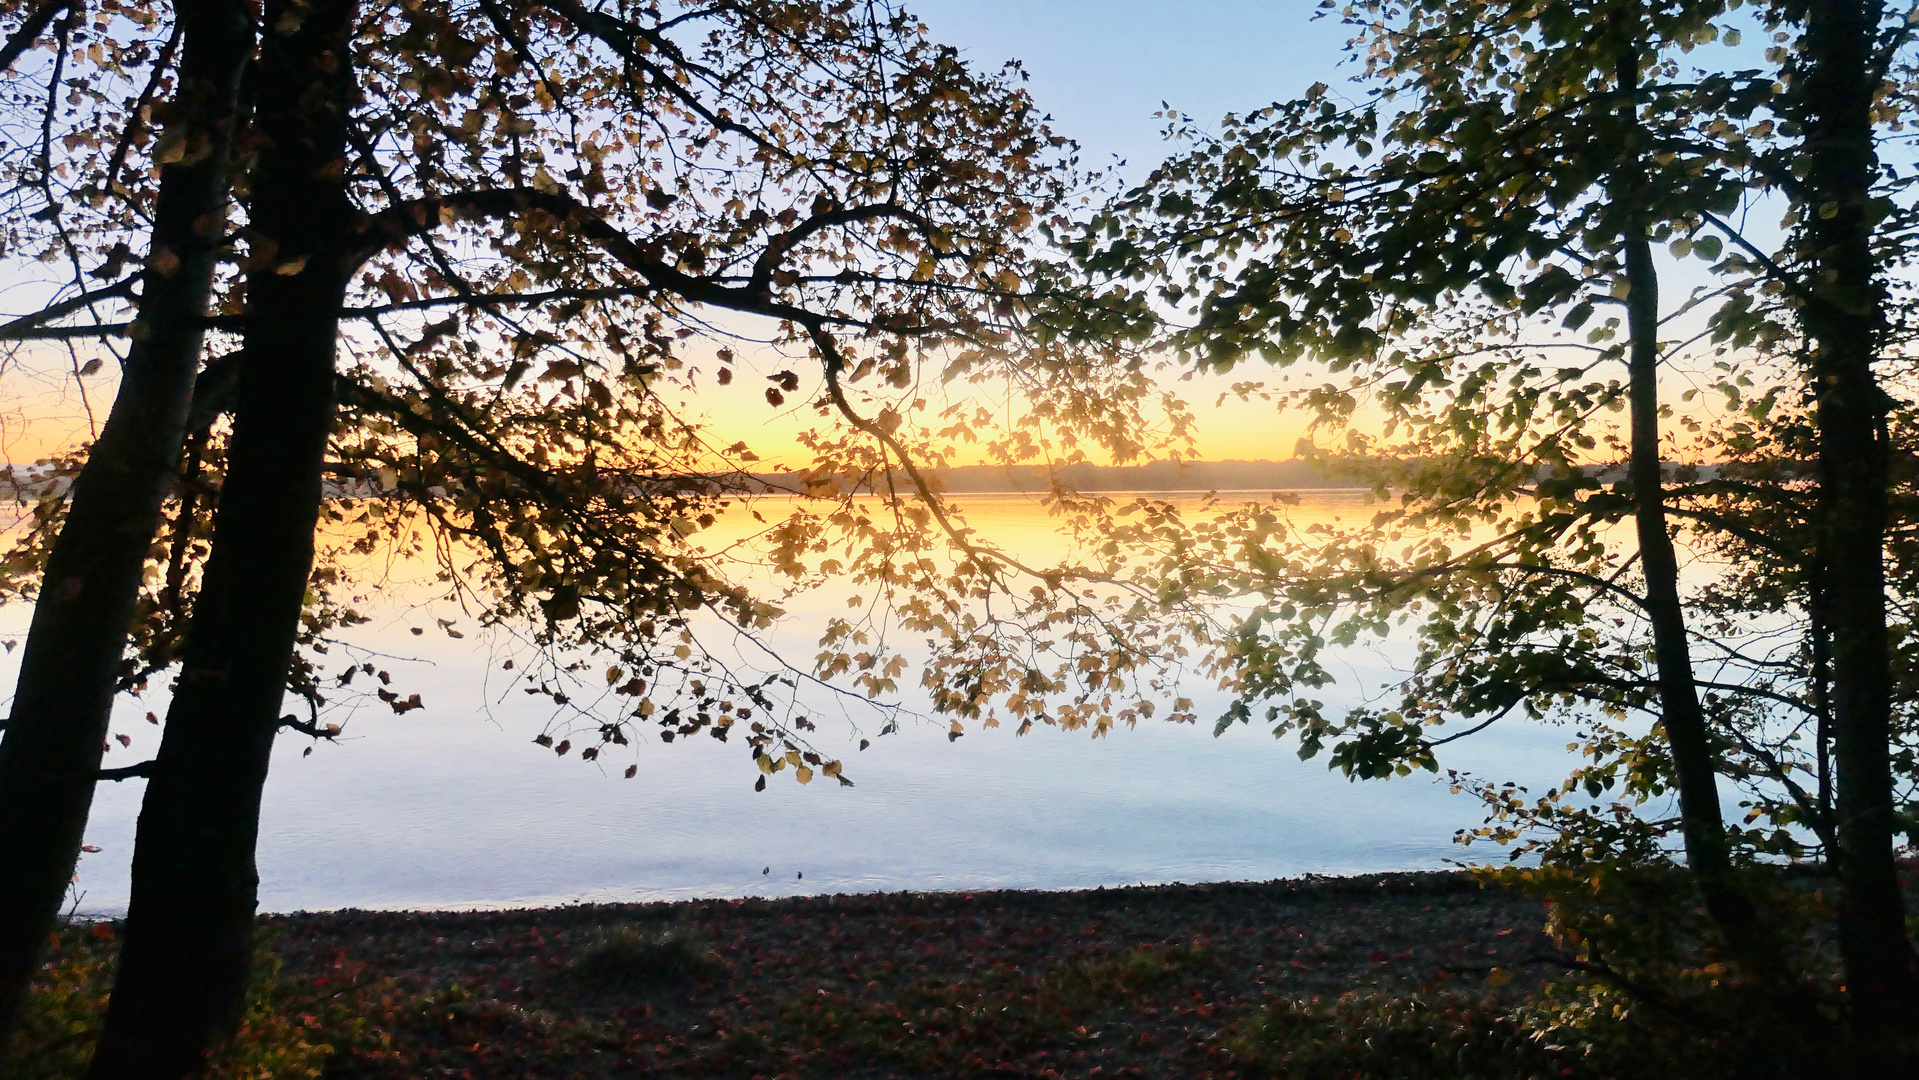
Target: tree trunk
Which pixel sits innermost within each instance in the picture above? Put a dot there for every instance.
(1702, 823)
(51, 752)
(1844, 319)
(187, 947)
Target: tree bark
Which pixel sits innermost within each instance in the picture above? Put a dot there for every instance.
(50, 756)
(1845, 318)
(187, 947)
(1702, 822)
(1689, 737)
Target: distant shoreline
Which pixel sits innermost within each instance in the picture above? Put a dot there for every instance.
(1154, 477)
(1088, 479)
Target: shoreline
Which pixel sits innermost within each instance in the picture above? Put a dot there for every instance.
(1387, 882)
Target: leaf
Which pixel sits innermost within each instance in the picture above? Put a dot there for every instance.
(171, 147)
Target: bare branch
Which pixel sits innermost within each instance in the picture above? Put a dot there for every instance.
(16, 329)
(29, 32)
(126, 772)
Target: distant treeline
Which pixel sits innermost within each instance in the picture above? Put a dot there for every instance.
(1152, 476)
(20, 482)
(1177, 476)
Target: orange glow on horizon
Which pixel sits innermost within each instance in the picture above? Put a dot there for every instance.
(46, 408)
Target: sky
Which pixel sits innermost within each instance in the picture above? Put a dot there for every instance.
(1100, 69)
(1103, 69)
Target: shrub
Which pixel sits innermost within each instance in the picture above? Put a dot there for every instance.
(628, 958)
(1087, 983)
(1659, 990)
(60, 1020)
(1379, 1036)
(54, 1040)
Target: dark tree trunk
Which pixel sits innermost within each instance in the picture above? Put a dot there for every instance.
(1702, 823)
(187, 947)
(51, 752)
(1695, 760)
(1844, 320)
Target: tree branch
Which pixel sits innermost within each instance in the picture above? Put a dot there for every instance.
(16, 329)
(126, 772)
(29, 32)
(310, 727)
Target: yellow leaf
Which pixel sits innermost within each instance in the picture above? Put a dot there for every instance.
(170, 149)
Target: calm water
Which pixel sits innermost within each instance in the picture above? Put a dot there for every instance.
(452, 806)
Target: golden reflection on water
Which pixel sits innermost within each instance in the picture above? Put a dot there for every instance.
(452, 805)
(1021, 525)
(1027, 527)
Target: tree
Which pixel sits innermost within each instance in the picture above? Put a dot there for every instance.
(1838, 79)
(51, 751)
(188, 943)
(621, 173)
(1508, 170)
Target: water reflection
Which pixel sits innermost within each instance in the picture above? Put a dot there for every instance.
(452, 806)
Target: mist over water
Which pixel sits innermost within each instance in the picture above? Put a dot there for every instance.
(453, 806)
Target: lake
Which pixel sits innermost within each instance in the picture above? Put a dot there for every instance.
(453, 806)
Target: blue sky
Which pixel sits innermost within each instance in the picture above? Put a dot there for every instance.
(1102, 68)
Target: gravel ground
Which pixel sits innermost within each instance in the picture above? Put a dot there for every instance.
(1145, 981)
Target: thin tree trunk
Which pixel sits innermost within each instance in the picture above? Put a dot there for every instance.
(187, 946)
(51, 752)
(1844, 320)
(1702, 823)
